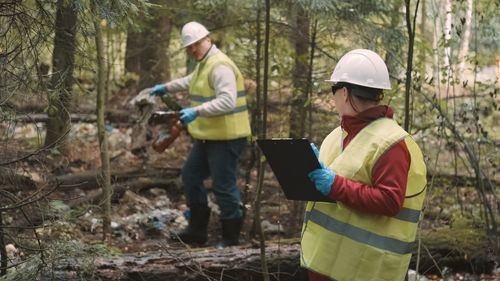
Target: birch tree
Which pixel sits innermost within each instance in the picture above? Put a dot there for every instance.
(447, 38)
(464, 44)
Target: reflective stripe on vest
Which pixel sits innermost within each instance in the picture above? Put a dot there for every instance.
(346, 244)
(202, 99)
(232, 125)
(359, 234)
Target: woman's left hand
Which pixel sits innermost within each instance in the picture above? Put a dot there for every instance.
(323, 179)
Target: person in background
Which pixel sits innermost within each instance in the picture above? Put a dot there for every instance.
(375, 175)
(218, 122)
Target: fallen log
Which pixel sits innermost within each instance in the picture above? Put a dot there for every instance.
(89, 179)
(176, 262)
(111, 115)
(95, 196)
(462, 248)
(43, 118)
(12, 181)
(183, 263)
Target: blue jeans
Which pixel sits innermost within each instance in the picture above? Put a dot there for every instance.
(218, 160)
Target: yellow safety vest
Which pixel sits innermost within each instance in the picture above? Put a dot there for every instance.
(229, 126)
(350, 245)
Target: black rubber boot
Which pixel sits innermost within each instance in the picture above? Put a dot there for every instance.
(196, 231)
(230, 232)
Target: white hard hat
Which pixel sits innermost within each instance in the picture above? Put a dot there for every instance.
(362, 67)
(193, 32)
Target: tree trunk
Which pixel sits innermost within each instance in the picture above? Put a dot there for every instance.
(447, 37)
(464, 44)
(310, 71)
(63, 59)
(146, 52)
(154, 57)
(298, 109)
(261, 171)
(101, 129)
(133, 52)
(300, 38)
(411, 27)
(394, 50)
(422, 53)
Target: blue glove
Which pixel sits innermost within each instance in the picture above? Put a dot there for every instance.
(188, 115)
(158, 90)
(315, 149)
(323, 177)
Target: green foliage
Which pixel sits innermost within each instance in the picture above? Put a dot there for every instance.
(114, 11)
(318, 6)
(25, 32)
(486, 30)
(57, 209)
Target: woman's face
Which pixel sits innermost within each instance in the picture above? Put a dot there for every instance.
(340, 100)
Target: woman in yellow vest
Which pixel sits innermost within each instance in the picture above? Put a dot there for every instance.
(217, 119)
(375, 175)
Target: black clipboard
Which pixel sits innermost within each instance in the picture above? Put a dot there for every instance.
(291, 160)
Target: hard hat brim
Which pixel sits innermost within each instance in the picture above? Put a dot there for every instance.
(368, 86)
(191, 43)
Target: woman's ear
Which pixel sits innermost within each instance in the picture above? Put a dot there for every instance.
(345, 94)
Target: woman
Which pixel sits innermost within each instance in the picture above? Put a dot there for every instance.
(375, 175)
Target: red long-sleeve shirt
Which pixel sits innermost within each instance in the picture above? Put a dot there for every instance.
(389, 175)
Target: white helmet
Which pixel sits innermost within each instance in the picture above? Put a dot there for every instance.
(362, 67)
(193, 32)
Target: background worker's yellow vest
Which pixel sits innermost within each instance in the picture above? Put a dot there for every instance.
(349, 245)
(229, 126)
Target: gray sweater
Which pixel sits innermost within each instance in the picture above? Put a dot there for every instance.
(223, 81)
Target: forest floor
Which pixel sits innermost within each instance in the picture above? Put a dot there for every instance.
(142, 221)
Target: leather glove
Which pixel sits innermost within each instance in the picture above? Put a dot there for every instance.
(188, 115)
(158, 90)
(323, 177)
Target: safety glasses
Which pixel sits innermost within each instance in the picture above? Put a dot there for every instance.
(337, 87)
